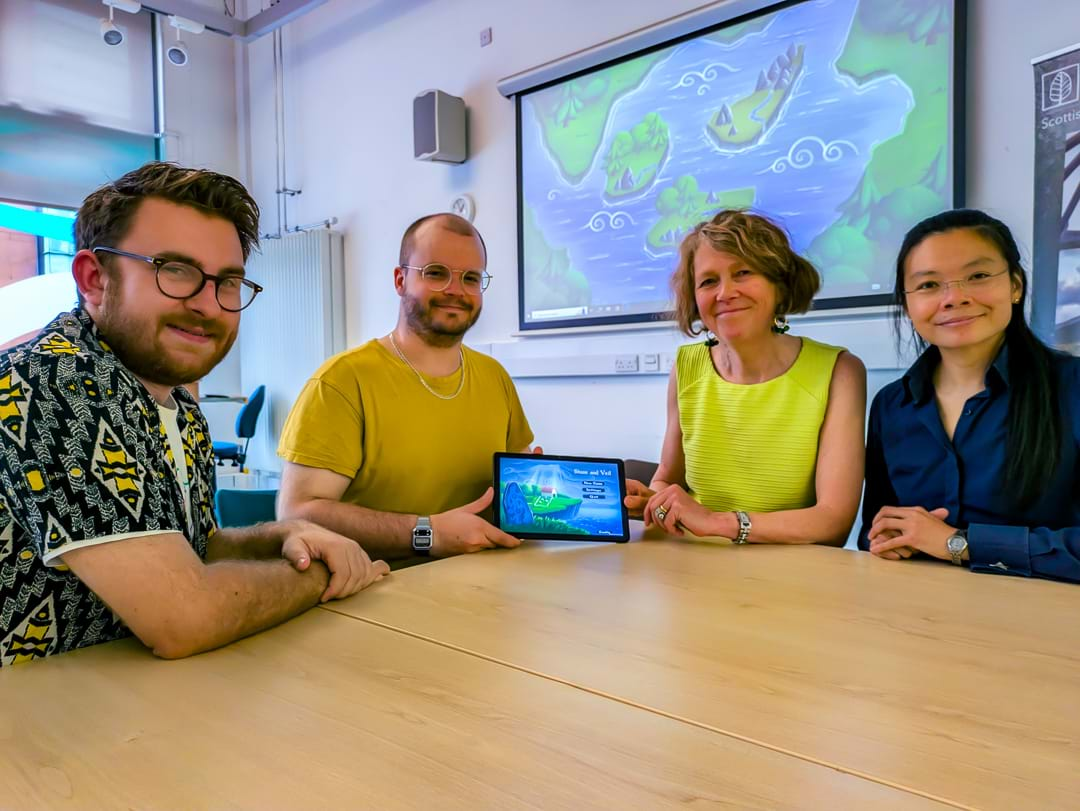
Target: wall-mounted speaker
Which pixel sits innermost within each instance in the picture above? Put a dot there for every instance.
(439, 127)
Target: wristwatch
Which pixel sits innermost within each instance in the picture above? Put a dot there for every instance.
(422, 536)
(957, 544)
(744, 527)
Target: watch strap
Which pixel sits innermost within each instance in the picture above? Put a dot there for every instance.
(744, 527)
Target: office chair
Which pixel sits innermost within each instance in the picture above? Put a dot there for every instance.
(639, 469)
(246, 421)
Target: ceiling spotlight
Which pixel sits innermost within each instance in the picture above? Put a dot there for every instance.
(177, 53)
(111, 33)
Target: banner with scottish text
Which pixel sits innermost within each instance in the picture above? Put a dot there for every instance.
(1056, 251)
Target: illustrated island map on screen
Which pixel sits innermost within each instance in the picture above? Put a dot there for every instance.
(559, 497)
(831, 116)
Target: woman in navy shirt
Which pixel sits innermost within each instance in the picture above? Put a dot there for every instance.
(972, 456)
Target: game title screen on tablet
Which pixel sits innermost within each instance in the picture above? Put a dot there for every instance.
(559, 497)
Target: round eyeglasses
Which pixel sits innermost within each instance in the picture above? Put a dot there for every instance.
(935, 288)
(179, 280)
(438, 276)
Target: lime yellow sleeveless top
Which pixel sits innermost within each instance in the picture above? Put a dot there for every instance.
(753, 447)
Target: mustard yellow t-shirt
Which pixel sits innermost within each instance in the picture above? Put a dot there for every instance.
(366, 415)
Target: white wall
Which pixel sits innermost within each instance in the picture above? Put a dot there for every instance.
(353, 67)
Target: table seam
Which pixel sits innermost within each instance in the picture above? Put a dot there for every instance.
(656, 711)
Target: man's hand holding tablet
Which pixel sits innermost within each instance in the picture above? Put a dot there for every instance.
(463, 530)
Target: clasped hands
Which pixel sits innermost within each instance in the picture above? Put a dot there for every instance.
(897, 533)
(350, 567)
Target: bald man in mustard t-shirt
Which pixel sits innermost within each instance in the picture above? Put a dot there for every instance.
(391, 443)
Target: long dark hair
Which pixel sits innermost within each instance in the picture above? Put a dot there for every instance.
(1034, 423)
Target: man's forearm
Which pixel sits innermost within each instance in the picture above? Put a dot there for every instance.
(257, 542)
(382, 535)
(239, 598)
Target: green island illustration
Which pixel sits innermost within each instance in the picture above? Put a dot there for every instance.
(906, 178)
(550, 279)
(747, 120)
(573, 115)
(682, 206)
(529, 507)
(635, 157)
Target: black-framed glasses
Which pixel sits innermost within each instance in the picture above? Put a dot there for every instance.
(179, 280)
(438, 276)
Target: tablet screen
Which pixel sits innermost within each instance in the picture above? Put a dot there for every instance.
(560, 497)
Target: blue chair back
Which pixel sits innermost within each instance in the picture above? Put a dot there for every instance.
(248, 417)
(242, 508)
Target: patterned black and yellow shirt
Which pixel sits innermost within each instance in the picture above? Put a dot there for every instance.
(83, 460)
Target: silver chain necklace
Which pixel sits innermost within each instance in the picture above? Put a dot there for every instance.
(420, 377)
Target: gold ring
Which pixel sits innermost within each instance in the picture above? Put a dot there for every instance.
(660, 513)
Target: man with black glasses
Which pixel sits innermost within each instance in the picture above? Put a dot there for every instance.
(106, 472)
(391, 443)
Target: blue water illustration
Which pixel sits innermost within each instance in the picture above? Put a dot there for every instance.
(803, 167)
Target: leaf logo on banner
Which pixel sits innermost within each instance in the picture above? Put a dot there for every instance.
(1061, 88)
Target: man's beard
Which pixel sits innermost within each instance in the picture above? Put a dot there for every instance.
(136, 342)
(421, 320)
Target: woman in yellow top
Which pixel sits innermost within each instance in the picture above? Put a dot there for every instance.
(764, 440)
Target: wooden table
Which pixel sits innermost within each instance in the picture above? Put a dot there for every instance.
(329, 712)
(953, 685)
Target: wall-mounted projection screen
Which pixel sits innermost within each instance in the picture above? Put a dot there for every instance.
(841, 119)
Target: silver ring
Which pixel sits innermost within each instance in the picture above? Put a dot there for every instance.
(660, 513)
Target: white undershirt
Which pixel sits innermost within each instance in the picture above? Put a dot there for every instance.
(170, 418)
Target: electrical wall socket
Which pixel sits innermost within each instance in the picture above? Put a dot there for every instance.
(650, 362)
(667, 362)
(626, 363)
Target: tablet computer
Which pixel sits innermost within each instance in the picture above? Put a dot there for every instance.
(561, 498)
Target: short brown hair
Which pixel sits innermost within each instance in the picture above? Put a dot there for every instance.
(105, 216)
(759, 242)
(451, 222)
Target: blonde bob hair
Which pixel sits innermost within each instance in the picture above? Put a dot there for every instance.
(764, 247)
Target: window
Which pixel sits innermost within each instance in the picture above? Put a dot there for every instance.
(32, 243)
(35, 268)
(54, 255)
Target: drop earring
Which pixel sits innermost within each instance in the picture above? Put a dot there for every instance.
(710, 339)
(780, 325)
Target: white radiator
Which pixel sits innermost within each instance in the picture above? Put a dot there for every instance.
(295, 324)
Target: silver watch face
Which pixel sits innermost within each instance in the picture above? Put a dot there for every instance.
(421, 538)
(956, 544)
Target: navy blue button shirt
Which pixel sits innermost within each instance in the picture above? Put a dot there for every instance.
(910, 462)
